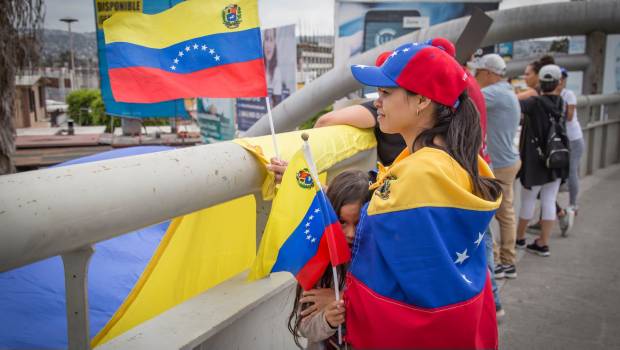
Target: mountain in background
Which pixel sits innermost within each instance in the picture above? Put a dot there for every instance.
(55, 51)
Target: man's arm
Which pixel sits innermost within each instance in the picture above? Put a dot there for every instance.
(357, 116)
(571, 104)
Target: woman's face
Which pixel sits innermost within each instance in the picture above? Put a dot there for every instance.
(269, 43)
(396, 110)
(531, 78)
(349, 217)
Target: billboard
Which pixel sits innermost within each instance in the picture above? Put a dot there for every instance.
(611, 81)
(104, 9)
(280, 52)
(363, 25)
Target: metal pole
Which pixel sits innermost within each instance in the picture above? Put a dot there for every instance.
(70, 20)
(76, 293)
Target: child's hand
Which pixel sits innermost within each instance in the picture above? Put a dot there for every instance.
(334, 313)
(318, 299)
(278, 166)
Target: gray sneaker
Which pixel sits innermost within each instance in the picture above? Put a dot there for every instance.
(564, 223)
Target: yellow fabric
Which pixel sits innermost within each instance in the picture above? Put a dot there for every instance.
(288, 209)
(428, 177)
(187, 20)
(329, 146)
(199, 251)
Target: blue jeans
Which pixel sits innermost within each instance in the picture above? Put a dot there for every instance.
(488, 244)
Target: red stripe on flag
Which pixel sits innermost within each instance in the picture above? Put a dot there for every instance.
(467, 325)
(149, 85)
(311, 272)
(339, 252)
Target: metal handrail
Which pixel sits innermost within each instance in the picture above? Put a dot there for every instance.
(49, 212)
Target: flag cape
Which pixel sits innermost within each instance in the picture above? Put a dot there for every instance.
(301, 231)
(419, 261)
(197, 48)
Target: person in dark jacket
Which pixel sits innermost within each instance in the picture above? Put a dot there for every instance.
(536, 178)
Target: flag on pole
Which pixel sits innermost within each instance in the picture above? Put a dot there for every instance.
(197, 48)
(303, 234)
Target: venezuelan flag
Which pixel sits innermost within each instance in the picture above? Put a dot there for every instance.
(303, 234)
(197, 48)
(419, 268)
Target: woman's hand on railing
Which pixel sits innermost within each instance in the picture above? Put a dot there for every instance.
(278, 166)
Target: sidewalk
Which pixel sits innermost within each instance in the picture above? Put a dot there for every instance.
(571, 300)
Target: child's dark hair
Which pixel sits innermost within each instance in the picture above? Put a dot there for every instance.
(460, 129)
(348, 187)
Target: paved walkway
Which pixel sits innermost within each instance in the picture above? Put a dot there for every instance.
(571, 300)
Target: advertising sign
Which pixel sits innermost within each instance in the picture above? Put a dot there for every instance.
(363, 25)
(280, 49)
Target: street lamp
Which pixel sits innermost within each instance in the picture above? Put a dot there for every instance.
(70, 20)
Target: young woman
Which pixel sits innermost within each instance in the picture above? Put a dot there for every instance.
(531, 77)
(316, 314)
(534, 175)
(419, 278)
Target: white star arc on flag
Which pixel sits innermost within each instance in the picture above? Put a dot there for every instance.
(176, 61)
(466, 279)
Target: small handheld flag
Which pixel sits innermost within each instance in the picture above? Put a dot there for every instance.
(303, 234)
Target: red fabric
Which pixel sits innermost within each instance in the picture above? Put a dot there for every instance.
(339, 252)
(315, 267)
(444, 44)
(149, 85)
(473, 90)
(435, 74)
(376, 322)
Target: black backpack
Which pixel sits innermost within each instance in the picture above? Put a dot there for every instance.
(553, 150)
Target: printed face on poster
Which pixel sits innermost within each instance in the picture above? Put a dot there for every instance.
(280, 52)
(361, 26)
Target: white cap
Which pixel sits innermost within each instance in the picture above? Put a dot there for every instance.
(493, 63)
(550, 72)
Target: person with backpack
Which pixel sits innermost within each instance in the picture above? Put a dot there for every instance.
(544, 151)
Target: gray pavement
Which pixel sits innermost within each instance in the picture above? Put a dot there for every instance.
(571, 300)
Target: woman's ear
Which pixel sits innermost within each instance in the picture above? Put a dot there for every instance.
(424, 102)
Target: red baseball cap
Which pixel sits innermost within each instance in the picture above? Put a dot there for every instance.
(382, 58)
(443, 44)
(419, 68)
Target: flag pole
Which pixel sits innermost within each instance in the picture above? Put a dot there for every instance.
(315, 175)
(273, 130)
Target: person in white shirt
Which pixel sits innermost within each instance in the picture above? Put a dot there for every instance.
(577, 145)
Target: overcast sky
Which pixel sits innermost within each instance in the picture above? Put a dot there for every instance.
(314, 16)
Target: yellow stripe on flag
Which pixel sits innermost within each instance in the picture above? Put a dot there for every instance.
(187, 20)
(199, 251)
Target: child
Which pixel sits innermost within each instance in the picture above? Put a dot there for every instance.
(316, 314)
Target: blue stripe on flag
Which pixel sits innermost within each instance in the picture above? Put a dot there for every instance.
(411, 255)
(303, 243)
(191, 55)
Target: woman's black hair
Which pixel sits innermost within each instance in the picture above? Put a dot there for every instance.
(461, 132)
(348, 187)
(541, 62)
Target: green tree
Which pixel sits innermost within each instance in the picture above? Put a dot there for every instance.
(80, 102)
